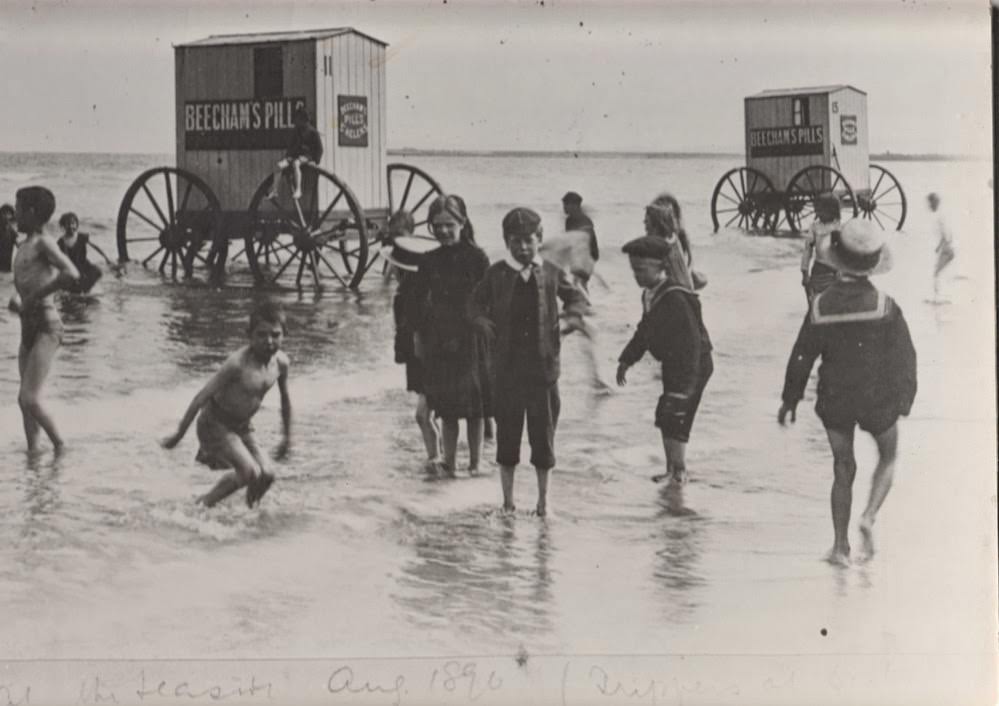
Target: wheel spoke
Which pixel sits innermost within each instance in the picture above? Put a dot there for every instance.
(730, 220)
(154, 254)
(888, 215)
(328, 210)
(874, 215)
(405, 193)
(331, 268)
(144, 217)
(155, 204)
(729, 198)
(727, 210)
(169, 192)
(315, 271)
(241, 252)
(742, 180)
(143, 240)
(735, 188)
(285, 265)
(173, 265)
(427, 195)
(301, 268)
(894, 187)
(880, 178)
(183, 200)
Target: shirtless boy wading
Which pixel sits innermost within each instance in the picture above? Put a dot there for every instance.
(40, 269)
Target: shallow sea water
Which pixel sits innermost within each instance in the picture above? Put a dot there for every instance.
(354, 553)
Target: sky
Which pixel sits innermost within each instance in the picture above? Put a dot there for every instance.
(97, 76)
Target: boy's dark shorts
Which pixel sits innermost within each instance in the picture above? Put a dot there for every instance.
(675, 416)
(540, 404)
(843, 415)
(414, 376)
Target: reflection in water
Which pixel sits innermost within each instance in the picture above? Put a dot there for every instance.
(676, 571)
(41, 494)
(481, 576)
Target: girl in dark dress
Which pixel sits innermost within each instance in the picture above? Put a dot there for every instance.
(454, 353)
(74, 244)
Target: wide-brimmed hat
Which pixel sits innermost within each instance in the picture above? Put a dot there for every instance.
(405, 251)
(858, 248)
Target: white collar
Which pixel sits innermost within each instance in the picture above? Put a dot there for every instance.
(521, 269)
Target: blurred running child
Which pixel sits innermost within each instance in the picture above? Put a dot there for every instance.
(867, 376)
(403, 264)
(577, 220)
(816, 275)
(516, 304)
(226, 404)
(8, 237)
(453, 352)
(306, 148)
(40, 269)
(672, 330)
(945, 243)
(74, 245)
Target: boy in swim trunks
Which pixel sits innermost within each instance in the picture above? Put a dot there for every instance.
(306, 148)
(227, 403)
(672, 330)
(867, 376)
(39, 271)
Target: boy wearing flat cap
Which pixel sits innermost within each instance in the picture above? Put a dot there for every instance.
(672, 330)
(867, 377)
(516, 304)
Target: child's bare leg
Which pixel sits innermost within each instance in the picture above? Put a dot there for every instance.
(881, 482)
(841, 498)
(276, 180)
(543, 475)
(506, 481)
(428, 428)
(245, 470)
(487, 428)
(474, 443)
(257, 486)
(676, 462)
(449, 433)
(35, 365)
(296, 167)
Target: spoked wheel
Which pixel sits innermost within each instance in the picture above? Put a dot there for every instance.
(166, 219)
(316, 238)
(809, 183)
(884, 202)
(411, 189)
(745, 198)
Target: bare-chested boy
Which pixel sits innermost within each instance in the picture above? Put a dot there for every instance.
(40, 269)
(228, 402)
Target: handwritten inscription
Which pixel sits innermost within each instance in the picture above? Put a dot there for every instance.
(343, 680)
(163, 689)
(463, 677)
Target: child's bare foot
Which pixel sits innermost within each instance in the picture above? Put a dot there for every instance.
(541, 510)
(678, 477)
(473, 471)
(256, 489)
(508, 509)
(838, 557)
(447, 471)
(867, 539)
(660, 477)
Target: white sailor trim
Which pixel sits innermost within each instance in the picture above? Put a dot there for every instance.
(879, 311)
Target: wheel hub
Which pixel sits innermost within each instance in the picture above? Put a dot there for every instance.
(174, 237)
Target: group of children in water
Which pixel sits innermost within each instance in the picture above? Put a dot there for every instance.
(483, 341)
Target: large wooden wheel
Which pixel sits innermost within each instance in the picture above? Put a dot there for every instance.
(884, 203)
(806, 185)
(319, 237)
(746, 199)
(166, 219)
(411, 189)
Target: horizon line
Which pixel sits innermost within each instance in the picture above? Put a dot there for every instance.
(461, 152)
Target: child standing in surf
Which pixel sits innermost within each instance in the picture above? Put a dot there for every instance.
(867, 377)
(516, 304)
(226, 404)
(671, 329)
(816, 276)
(74, 245)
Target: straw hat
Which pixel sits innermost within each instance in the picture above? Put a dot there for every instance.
(858, 248)
(405, 251)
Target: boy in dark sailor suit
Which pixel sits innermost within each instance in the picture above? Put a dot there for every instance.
(672, 330)
(867, 377)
